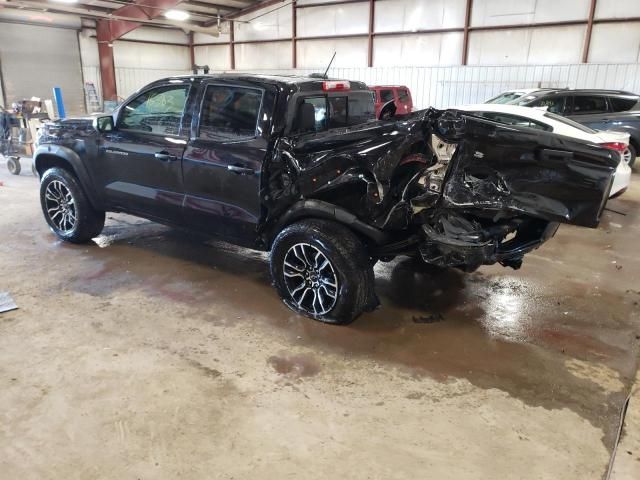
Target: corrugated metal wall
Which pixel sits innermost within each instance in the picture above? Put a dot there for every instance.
(445, 86)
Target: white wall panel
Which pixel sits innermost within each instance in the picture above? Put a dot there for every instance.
(342, 19)
(509, 12)
(150, 34)
(407, 15)
(308, 2)
(88, 48)
(203, 38)
(274, 25)
(617, 8)
(526, 45)
(263, 55)
(317, 53)
(145, 55)
(216, 56)
(615, 43)
(128, 80)
(416, 50)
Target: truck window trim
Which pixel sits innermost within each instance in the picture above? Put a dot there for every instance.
(181, 128)
(200, 106)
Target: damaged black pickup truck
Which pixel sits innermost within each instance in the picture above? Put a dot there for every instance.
(299, 167)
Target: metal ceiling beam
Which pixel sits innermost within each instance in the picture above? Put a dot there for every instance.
(109, 30)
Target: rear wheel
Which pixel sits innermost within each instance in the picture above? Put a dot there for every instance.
(67, 209)
(13, 165)
(321, 269)
(629, 155)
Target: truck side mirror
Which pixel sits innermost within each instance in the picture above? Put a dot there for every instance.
(104, 124)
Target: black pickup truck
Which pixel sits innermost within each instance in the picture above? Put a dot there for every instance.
(299, 167)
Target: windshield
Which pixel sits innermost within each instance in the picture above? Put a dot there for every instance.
(571, 123)
(505, 97)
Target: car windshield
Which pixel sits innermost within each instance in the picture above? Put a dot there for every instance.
(505, 97)
(569, 122)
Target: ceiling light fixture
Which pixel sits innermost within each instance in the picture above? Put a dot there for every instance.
(179, 15)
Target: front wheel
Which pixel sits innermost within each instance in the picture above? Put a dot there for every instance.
(321, 269)
(67, 209)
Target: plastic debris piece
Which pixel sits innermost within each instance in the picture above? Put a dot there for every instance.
(6, 302)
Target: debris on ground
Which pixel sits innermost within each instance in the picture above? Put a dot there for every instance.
(431, 318)
(6, 302)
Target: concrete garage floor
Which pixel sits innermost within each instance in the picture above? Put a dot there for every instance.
(156, 354)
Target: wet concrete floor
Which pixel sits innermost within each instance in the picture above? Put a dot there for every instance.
(155, 353)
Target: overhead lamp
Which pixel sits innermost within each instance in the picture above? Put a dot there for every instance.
(179, 15)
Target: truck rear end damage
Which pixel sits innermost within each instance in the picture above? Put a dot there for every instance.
(456, 190)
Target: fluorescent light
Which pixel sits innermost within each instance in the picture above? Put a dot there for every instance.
(65, 1)
(179, 15)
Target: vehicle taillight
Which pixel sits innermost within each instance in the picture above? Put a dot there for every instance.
(617, 146)
(336, 85)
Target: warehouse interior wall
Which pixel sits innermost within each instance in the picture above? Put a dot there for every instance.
(506, 49)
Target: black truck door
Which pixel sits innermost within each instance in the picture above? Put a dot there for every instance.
(139, 162)
(223, 160)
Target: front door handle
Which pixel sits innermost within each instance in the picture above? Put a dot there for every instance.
(240, 170)
(165, 157)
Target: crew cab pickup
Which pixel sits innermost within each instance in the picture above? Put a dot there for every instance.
(299, 167)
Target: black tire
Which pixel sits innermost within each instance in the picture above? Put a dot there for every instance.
(634, 153)
(349, 264)
(13, 165)
(58, 187)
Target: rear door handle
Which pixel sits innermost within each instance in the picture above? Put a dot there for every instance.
(240, 170)
(165, 157)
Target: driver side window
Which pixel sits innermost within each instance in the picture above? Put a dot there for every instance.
(158, 111)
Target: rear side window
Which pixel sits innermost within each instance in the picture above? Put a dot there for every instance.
(229, 113)
(622, 104)
(386, 95)
(337, 111)
(553, 104)
(403, 96)
(584, 104)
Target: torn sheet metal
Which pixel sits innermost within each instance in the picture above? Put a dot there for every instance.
(6, 302)
(458, 190)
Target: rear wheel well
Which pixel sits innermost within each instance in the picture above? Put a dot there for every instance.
(44, 162)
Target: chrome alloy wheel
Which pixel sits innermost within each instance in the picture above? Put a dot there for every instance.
(61, 206)
(626, 155)
(310, 278)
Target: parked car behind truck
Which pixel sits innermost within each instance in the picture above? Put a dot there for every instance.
(279, 164)
(598, 109)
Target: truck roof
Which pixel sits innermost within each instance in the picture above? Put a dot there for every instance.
(299, 81)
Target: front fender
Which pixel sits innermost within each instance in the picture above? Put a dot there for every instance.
(49, 155)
